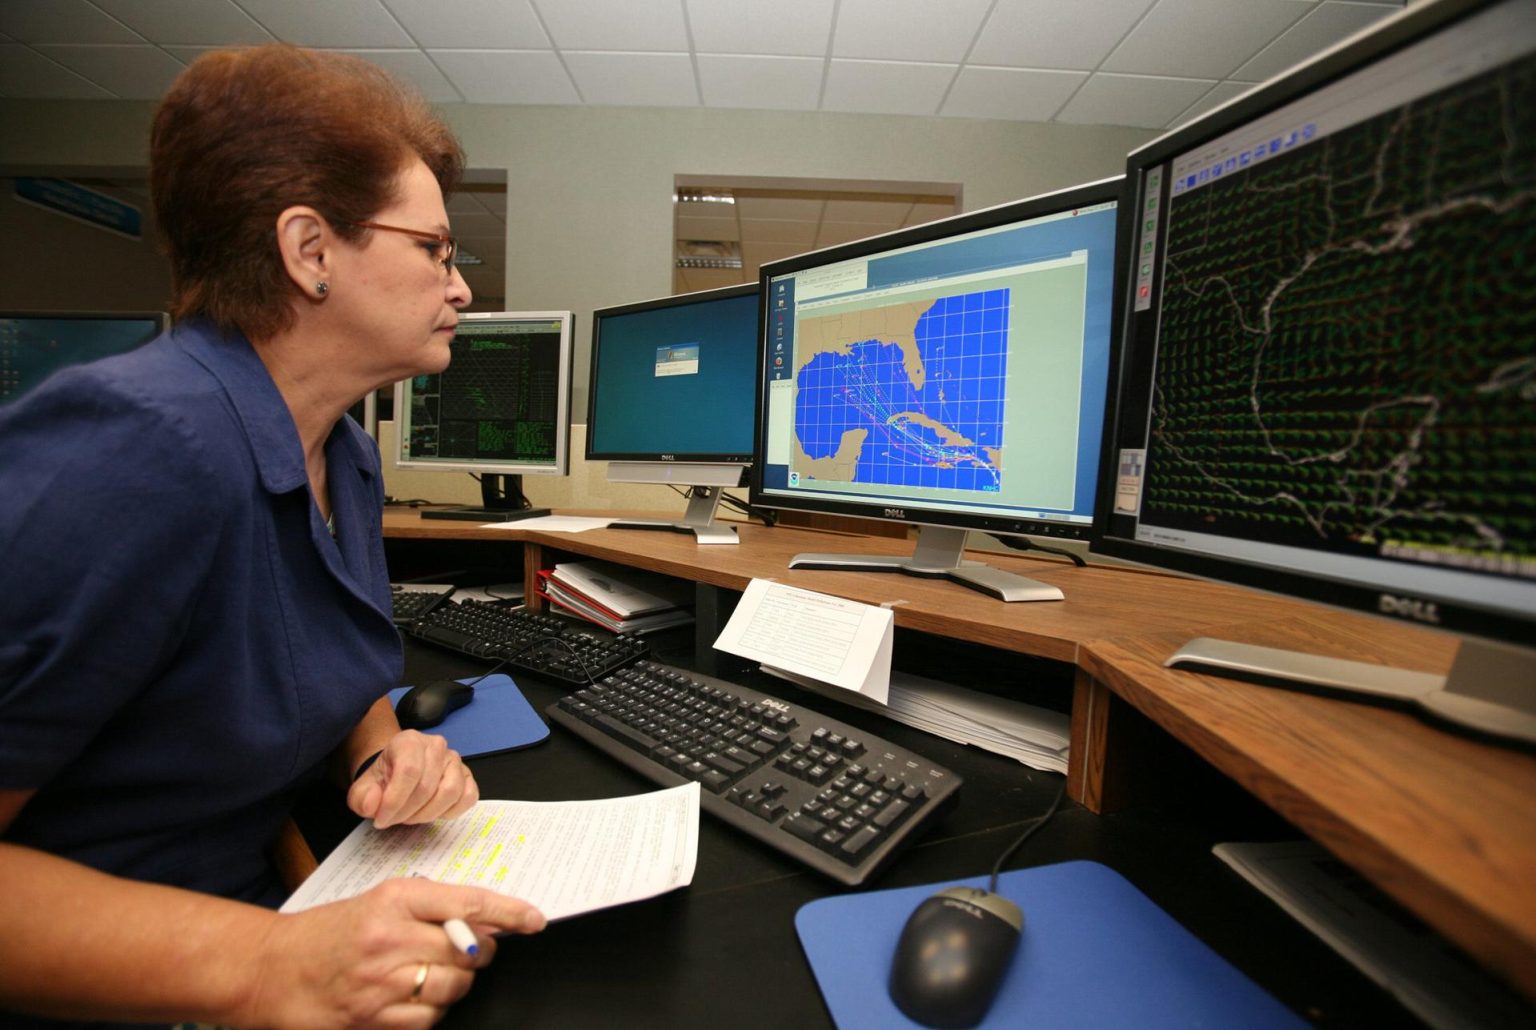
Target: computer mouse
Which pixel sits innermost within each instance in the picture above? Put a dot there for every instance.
(952, 955)
(427, 704)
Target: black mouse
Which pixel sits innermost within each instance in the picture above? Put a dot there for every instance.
(952, 954)
(427, 704)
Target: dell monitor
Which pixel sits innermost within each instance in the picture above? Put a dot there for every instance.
(501, 409)
(35, 344)
(673, 384)
(1327, 381)
(950, 375)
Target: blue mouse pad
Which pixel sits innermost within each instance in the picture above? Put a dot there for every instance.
(1096, 952)
(498, 719)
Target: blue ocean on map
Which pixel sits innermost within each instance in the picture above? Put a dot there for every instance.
(937, 436)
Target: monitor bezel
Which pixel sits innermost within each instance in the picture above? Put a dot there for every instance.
(1099, 191)
(1428, 609)
(672, 301)
(561, 465)
(161, 319)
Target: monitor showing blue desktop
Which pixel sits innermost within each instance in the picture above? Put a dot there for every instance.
(500, 410)
(950, 375)
(35, 344)
(1327, 384)
(671, 401)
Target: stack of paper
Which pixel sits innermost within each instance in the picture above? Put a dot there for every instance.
(619, 599)
(1037, 737)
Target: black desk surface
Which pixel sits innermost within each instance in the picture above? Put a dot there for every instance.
(723, 951)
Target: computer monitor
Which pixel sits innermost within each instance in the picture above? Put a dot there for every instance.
(501, 410)
(1328, 365)
(673, 384)
(35, 344)
(949, 375)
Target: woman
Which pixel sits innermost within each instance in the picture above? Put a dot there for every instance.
(195, 620)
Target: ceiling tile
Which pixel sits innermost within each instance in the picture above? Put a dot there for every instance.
(1325, 26)
(492, 201)
(359, 24)
(886, 87)
(930, 210)
(798, 234)
(27, 74)
(755, 253)
(1227, 34)
(61, 21)
(476, 223)
(1146, 101)
(648, 80)
(507, 76)
(1016, 94)
(615, 24)
(886, 213)
(704, 208)
(907, 30)
(691, 228)
(786, 27)
(797, 209)
(1051, 34)
(695, 279)
(1219, 94)
(778, 83)
(134, 72)
(471, 24)
(413, 67)
(830, 234)
(201, 22)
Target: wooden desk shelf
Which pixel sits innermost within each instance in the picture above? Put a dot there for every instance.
(1443, 823)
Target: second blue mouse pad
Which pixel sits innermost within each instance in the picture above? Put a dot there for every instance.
(498, 719)
(1096, 952)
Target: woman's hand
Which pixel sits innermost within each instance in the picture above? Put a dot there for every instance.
(416, 778)
(382, 958)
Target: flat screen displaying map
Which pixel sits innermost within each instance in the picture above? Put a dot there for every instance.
(1329, 381)
(952, 374)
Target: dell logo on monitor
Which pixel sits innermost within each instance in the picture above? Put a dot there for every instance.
(895, 513)
(669, 457)
(1409, 607)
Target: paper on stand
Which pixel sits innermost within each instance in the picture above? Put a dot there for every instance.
(1037, 737)
(565, 857)
(829, 639)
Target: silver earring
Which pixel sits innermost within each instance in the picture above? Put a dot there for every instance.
(322, 288)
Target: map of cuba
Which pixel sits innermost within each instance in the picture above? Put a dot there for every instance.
(904, 394)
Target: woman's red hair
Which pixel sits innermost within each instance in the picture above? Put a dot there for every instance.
(244, 134)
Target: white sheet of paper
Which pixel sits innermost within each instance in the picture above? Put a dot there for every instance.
(844, 643)
(553, 523)
(566, 857)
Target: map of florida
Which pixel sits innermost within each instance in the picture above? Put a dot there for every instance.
(909, 393)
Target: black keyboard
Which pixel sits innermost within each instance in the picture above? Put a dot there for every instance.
(537, 642)
(833, 797)
(414, 600)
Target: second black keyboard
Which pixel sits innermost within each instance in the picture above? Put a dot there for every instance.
(537, 642)
(836, 798)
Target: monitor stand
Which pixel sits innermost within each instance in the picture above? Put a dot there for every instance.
(501, 500)
(940, 552)
(698, 519)
(1488, 690)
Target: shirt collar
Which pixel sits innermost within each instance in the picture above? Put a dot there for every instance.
(275, 447)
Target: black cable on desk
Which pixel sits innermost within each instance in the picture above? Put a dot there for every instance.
(1029, 831)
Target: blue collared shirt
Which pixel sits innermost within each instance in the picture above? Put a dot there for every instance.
(182, 642)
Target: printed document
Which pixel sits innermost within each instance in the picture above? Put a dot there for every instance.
(844, 643)
(565, 857)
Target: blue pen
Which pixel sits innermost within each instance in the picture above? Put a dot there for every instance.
(462, 937)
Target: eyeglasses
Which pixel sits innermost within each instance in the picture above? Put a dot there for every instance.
(444, 252)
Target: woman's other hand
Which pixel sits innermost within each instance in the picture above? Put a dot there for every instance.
(416, 778)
